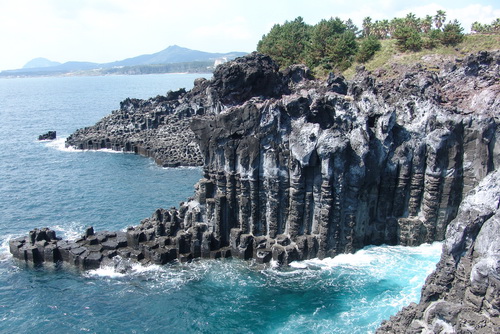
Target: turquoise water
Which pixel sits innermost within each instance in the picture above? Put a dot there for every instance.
(44, 184)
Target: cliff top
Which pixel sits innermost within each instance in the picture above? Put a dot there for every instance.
(389, 62)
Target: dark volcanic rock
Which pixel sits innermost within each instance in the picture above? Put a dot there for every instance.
(462, 294)
(159, 127)
(51, 135)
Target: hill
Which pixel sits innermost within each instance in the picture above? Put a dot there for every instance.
(172, 59)
(40, 62)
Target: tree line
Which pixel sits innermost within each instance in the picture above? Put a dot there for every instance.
(334, 43)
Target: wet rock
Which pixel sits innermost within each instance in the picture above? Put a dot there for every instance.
(51, 135)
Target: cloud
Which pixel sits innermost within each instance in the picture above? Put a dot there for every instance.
(475, 12)
(107, 30)
(235, 31)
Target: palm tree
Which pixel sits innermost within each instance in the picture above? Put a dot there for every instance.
(495, 25)
(412, 21)
(376, 30)
(426, 24)
(367, 26)
(385, 28)
(439, 18)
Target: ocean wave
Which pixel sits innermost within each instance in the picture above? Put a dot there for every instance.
(372, 255)
(184, 167)
(59, 144)
(70, 231)
(4, 248)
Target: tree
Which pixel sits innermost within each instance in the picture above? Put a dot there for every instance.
(452, 33)
(439, 19)
(343, 51)
(385, 26)
(412, 21)
(395, 24)
(332, 44)
(367, 26)
(426, 24)
(286, 43)
(367, 49)
(408, 39)
(432, 39)
(477, 28)
(495, 26)
(350, 26)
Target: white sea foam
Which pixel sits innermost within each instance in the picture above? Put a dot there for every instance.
(59, 144)
(184, 167)
(69, 231)
(106, 271)
(124, 268)
(4, 248)
(370, 256)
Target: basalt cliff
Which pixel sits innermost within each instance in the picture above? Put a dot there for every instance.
(296, 168)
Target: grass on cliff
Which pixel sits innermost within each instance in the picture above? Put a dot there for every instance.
(389, 58)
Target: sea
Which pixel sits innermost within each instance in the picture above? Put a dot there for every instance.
(44, 184)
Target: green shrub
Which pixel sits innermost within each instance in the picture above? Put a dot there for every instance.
(368, 48)
(408, 39)
(452, 34)
(432, 39)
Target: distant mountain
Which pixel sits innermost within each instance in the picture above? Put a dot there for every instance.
(141, 64)
(40, 62)
(174, 54)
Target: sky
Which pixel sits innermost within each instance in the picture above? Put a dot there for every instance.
(107, 30)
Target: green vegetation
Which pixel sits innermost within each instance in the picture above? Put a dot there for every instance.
(493, 28)
(286, 43)
(367, 49)
(335, 45)
(389, 59)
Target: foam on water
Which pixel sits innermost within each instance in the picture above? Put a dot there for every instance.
(69, 231)
(4, 249)
(58, 144)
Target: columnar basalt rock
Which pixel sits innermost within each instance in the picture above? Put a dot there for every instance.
(153, 128)
(336, 169)
(462, 294)
(296, 168)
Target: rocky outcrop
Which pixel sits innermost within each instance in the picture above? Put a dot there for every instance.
(51, 135)
(154, 128)
(463, 294)
(159, 127)
(329, 167)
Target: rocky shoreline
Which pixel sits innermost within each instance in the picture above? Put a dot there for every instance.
(156, 128)
(462, 294)
(297, 168)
